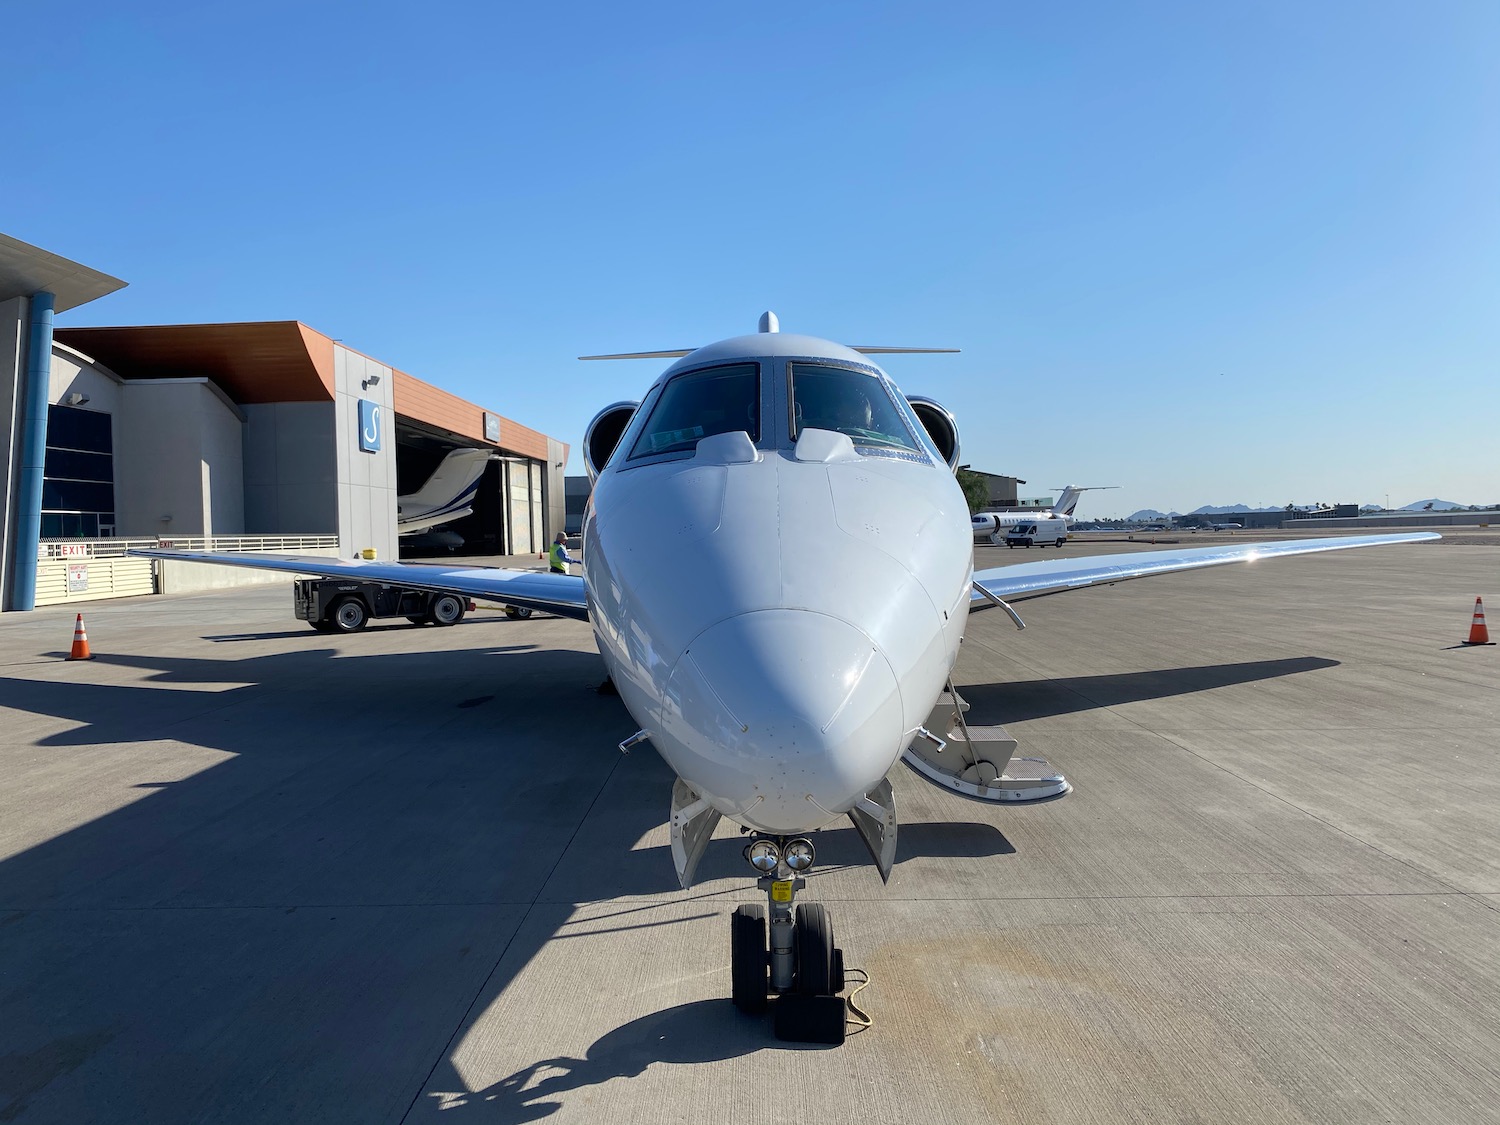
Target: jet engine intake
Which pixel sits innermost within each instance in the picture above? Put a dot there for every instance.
(604, 433)
(940, 425)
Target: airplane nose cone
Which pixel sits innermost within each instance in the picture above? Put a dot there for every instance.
(783, 717)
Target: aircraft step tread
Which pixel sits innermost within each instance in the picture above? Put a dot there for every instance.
(945, 703)
(979, 761)
(991, 737)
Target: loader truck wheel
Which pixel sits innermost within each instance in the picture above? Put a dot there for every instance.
(348, 615)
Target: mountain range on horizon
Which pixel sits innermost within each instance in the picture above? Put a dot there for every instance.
(1434, 504)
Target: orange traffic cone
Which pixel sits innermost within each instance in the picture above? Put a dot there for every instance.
(1478, 633)
(80, 642)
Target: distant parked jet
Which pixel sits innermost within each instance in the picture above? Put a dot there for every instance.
(993, 525)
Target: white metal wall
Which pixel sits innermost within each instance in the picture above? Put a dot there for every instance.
(82, 570)
(87, 580)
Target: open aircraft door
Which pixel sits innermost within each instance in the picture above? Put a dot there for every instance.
(979, 762)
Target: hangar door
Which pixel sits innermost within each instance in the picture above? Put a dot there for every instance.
(523, 487)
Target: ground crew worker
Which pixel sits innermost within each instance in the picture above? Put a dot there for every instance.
(558, 558)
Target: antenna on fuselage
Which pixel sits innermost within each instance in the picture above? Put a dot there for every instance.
(768, 322)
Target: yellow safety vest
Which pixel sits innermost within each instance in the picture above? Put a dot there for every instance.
(556, 559)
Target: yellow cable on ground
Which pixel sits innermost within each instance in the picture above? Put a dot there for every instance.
(858, 1017)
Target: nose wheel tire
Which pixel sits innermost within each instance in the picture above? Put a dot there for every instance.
(814, 1012)
(808, 1007)
(748, 958)
(813, 942)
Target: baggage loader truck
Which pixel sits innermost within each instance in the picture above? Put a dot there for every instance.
(343, 605)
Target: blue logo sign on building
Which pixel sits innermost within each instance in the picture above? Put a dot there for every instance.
(369, 426)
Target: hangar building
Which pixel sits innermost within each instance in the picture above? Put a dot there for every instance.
(188, 432)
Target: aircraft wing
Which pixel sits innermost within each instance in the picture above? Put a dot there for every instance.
(561, 594)
(1057, 575)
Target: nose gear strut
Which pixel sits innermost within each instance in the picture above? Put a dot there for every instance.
(800, 964)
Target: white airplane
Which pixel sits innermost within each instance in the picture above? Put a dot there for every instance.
(778, 574)
(992, 526)
(448, 493)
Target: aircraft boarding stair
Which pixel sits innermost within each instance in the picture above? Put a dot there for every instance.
(978, 761)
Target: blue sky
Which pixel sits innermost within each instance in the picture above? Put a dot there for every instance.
(1211, 253)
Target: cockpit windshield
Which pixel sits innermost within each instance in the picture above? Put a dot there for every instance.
(851, 402)
(699, 404)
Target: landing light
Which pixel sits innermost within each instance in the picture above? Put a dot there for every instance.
(800, 855)
(763, 855)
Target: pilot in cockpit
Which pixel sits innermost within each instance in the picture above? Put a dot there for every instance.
(852, 411)
(829, 405)
(850, 403)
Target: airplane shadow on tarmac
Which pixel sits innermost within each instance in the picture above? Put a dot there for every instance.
(702, 1031)
(1021, 700)
(379, 625)
(378, 844)
(335, 881)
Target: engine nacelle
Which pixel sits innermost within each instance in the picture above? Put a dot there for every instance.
(940, 425)
(604, 433)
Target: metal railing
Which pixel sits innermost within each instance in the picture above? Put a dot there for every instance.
(88, 548)
(249, 542)
(116, 548)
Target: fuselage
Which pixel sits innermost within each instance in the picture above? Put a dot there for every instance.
(778, 593)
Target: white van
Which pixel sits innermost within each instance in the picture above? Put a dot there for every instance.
(1036, 533)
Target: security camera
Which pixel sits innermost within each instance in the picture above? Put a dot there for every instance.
(77, 398)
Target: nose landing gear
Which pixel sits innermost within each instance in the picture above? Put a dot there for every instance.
(799, 964)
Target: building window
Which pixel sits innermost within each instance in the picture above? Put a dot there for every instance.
(78, 477)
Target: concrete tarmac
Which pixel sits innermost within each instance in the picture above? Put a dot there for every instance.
(250, 872)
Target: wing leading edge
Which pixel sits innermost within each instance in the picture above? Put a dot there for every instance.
(562, 594)
(1056, 575)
